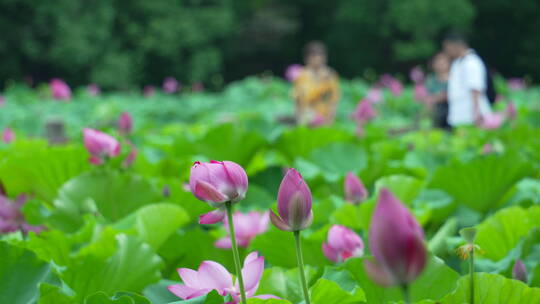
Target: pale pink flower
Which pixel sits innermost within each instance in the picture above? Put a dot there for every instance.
(417, 74)
(293, 71)
(11, 217)
(355, 191)
(8, 135)
(59, 89)
(125, 123)
(492, 121)
(364, 111)
(100, 145)
(374, 95)
(2, 101)
(213, 276)
(246, 226)
(342, 243)
(170, 85)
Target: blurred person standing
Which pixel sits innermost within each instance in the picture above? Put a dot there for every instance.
(467, 83)
(316, 89)
(437, 85)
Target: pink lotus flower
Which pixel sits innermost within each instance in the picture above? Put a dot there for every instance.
(130, 158)
(516, 84)
(197, 87)
(213, 276)
(374, 95)
(364, 112)
(8, 135)
(125, 123)
(396, 241)
(342, 244)
(246, 226)
(510, 111)
(416, 74)
(420, 91)
(216, 183)
(519, 271)
(11, 217)
(492, 121)
(294, 203)
(355, 191)
(317, 121)
(149, 91)
(2, 101)
(59, 89)
(487, 148)
(93, 89)
(170, 85)
(392, 83)
(293, 71)
(100, 145)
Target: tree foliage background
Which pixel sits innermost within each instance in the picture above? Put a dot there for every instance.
(127, 43)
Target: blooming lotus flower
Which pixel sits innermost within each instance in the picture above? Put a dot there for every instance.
(11, 217)
(420, 91)
(374, 95)
(100, 145)
(364, 112)
(93, 89)
(125, 123)
(416, 74)
(217, 182)
(396, 241)
(294, 203)
(59, 89)
(213, 276)
(355, 191)
(519, 271)
(246, 226)
(492, 121)
(510, 111)
(516, 84)
(342, 244)
(149, 91)
(8, 135)
(170, 85)
(293, 71)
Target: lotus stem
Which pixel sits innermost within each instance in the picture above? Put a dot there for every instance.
(236, 255)
(301, 270)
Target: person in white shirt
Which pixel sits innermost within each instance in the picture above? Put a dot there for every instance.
(467, 83)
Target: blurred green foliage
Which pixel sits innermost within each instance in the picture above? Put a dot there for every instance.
(120, 43)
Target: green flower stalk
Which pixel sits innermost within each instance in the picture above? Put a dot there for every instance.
(467, 252)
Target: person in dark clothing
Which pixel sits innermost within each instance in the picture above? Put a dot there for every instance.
(436, 85)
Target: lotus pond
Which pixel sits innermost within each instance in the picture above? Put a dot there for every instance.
(117, 212)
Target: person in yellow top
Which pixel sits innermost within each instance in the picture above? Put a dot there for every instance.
(316, 89)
